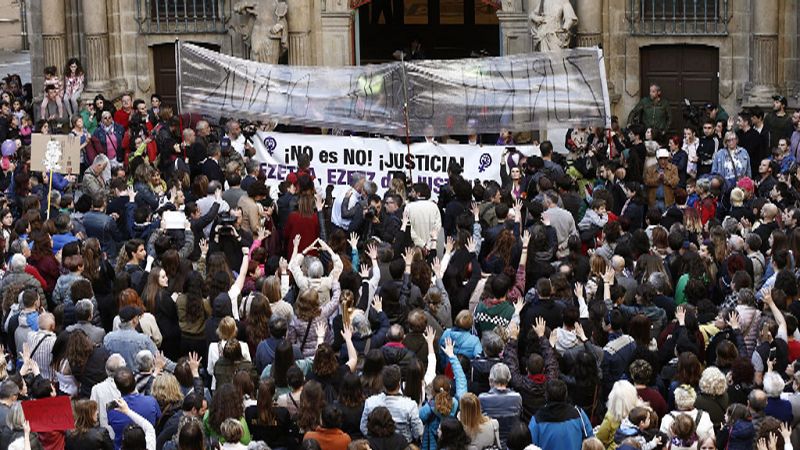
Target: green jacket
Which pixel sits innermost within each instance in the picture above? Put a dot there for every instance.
(650, 114)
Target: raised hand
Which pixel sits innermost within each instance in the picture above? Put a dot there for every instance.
(364, 273)
(347, 332)
(377, 303)
(449, 243)
(733, 320)
(449, 348)
(472, 245)
(609, 275)
(436, 266)
(540, 326)
(429, 335)
(320, 202)
(372, 251)
(526, 238)
(263, 233)
(283, 265)
(579, 290)
(324, 245)
(680, 314)
(194, 363)
(353, 241)
(476, 211)
(513, 330)
(321, 327)
(579, 331)
(296, 241)
(408, 256)
(204, 246)
(519, 303)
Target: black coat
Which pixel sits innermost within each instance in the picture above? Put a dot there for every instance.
(93, 372)
(213, 171)
(96, 438)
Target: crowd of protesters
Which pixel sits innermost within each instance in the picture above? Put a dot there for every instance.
(641, 292)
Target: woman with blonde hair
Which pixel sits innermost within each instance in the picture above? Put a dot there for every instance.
(482, 430)
(713, 397)
(693, 225)
(167, 392)
(622, 399)
(226, 331)
(273, 290)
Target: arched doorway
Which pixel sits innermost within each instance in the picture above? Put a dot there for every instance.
(447, 29)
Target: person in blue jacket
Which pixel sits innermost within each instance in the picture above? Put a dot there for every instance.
(443, 403)
(466, 344)
(559, 425)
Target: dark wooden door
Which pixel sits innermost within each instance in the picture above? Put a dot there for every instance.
(164, 69)
(683, 72)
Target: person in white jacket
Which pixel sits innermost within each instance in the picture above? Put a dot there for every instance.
(684, 402)
(423, 214)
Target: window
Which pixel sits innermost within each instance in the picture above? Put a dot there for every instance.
(415, 12)
(678, 17)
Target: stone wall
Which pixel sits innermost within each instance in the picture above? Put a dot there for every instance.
(10, 25)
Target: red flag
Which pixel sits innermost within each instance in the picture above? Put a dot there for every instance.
(49, 414)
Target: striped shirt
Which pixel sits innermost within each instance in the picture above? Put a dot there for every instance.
(41, 344)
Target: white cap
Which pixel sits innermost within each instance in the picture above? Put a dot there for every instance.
(662, 153)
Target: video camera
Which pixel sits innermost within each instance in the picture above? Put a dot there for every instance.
(692, 114)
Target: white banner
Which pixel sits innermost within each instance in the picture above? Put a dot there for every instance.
(334, 159)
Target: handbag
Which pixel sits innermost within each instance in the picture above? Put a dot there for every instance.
(496, 431)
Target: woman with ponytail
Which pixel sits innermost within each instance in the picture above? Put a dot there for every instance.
(444, 403)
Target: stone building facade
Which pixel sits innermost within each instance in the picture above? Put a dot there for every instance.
(750, 50)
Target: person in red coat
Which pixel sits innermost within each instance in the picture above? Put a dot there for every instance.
(304, 222)
(43, 260)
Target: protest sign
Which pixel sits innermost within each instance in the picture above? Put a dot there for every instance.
(454, 97)
(334, 159)
(70, 158)
(49, 414)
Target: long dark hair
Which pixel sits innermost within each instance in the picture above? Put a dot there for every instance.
(284, 358)
(266, 392)
(78, 70)
(225, 404)
(350, 392)
(79, 349)
(453, 436)
(258, 319)
(195, 297)
(312, 400)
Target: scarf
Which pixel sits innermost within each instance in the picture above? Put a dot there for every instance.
(539, 378)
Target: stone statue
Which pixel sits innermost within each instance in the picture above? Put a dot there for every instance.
(264, 28)
(552, 22)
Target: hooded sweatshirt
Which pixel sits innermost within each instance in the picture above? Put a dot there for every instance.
(28, 323)
(566, 340)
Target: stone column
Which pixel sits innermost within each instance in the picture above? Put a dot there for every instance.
(764, 61)
(95, 31)
(299, 20)
(337, 26)
(53, 33)
(590, 23)
(515, 29)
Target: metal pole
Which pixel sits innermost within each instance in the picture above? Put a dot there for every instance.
(178, 74)
(405, 112)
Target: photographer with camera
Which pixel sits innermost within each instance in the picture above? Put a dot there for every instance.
(228, 236)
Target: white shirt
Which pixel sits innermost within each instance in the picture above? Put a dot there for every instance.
(102, 394)
(238, 144)
(214, 350)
